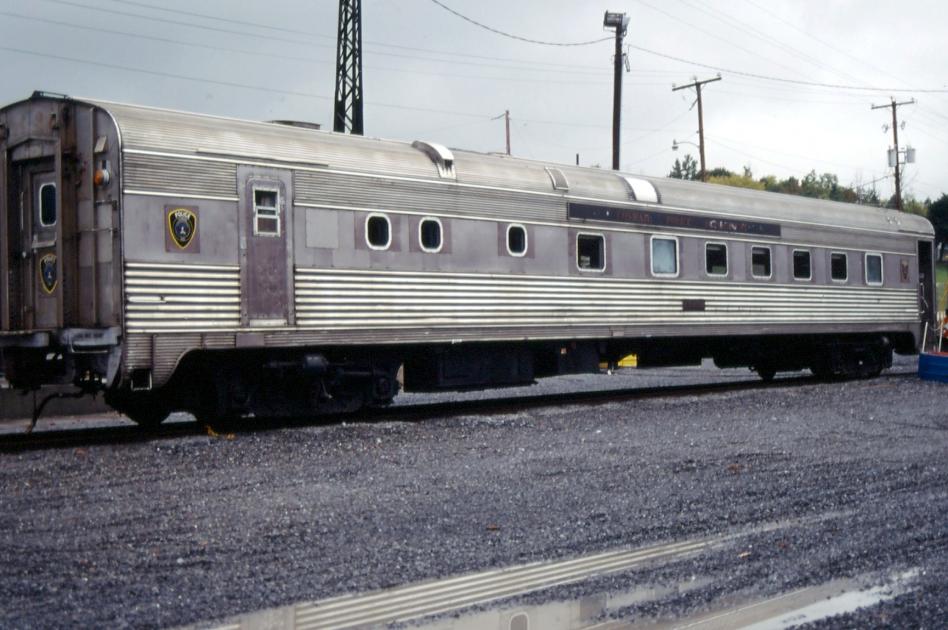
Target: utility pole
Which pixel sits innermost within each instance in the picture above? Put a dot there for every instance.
(697, 86)
(506, 117)
(620, 22)
(347, 116)
(507, 126)
(895, 138)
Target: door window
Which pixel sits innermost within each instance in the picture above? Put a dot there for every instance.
(266, 212)
(47, 205)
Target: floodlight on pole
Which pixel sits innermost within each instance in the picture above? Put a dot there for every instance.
(678, 143)
(620, 22)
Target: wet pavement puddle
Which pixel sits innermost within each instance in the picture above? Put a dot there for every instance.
(436, 604)
(604, 611)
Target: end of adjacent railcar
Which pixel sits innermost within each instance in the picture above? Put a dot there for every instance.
(60, 316)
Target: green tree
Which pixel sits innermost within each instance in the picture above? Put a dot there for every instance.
(719, 172)
(938, 215)
(819, 186)
(739, 181)
(685, 168)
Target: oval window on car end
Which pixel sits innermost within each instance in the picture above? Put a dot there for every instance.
(47, 210)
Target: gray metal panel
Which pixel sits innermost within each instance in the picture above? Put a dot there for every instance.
(179, 176)
(145, 228)
(333, 189)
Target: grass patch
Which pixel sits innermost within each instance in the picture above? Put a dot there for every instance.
(941, 278)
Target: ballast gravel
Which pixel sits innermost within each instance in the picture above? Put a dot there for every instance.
(179, 531)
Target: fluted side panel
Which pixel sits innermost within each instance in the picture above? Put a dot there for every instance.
(329, 299)
(181, 297)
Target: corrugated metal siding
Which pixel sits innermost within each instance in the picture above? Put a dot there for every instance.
(357, 300)
(179, 176)
(181, 297)
(366, 192)
(160, 353)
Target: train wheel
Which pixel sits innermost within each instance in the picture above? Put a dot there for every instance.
(143, 409)
(765, 373)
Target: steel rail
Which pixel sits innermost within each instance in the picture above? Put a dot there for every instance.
(81, 437)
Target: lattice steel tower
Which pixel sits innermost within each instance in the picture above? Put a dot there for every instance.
(348, 111)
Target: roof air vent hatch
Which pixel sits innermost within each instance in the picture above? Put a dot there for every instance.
(296, 123)
(440, 155)
(559, 179)
(641, 190)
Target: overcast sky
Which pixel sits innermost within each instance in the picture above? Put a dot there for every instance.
(431, 75)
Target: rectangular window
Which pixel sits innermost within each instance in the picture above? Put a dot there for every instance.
(715, 259)
(47, 209)
(839, 269)
(874, 269)
(266, 212)
(591, 252)
(801, 265)
(760, 262)
(664, 256)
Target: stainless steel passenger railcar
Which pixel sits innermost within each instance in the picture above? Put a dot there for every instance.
(226, 267)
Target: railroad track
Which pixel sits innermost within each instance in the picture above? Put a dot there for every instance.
(70, 438)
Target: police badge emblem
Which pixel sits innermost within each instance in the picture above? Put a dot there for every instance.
(49, 276)
(182, 225)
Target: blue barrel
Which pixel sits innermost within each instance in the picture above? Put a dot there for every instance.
(933, 367)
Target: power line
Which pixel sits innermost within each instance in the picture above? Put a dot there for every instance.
(807, 158)
(178, 42)
(713, 35)
(168, 75)
(487, 57)
(517, 37)
(164, 40)
(764, 77)
(152, 18)
(533, 67)
(815, 38)
(729, 20)
(218, 18)
(259, 88)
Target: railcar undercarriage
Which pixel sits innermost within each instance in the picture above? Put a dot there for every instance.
(219, 386)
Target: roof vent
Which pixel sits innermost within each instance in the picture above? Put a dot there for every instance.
(296, 123)
(440, 155)
(559, 179)
(641, 190)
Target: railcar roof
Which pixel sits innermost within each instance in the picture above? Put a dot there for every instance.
(148, 128)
